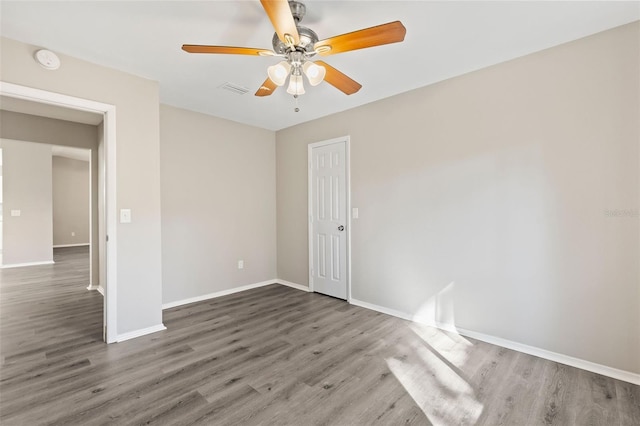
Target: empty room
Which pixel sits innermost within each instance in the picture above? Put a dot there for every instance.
(320, 213)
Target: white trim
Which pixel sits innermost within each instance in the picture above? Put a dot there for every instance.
(20, 265)
(310, 215)
(232, 291)
(382, 309)
(140, 333)
(111, 221)
(217, 294)
(347, 145)
(293, 285)
(91, 224)
(615, 373)
(109, 113)
(71, 245)
(605, 370)
(348, 215)
(52, 98)
(97, 288)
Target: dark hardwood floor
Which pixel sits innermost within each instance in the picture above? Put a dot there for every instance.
(272, 355)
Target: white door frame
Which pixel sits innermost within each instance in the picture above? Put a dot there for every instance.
(109, 113)
(346, 140)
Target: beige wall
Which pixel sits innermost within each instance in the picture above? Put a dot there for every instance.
(71, 184)
(32, 128)
(139, 290)
(218, 204)
(26, 186)
(489, 200)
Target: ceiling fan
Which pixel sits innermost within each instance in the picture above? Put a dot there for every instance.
(298, 44)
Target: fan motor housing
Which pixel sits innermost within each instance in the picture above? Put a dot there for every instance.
(308, 39)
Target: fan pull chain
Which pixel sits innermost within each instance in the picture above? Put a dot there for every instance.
(296, 109)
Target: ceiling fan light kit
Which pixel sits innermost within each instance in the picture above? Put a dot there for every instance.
(297, 45)
(315, 73)
(279, 72)
(295, 85)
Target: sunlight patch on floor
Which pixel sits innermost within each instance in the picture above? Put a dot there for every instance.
(436, 387)
(454, 347)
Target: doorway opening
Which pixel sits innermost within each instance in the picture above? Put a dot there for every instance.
(52, 101)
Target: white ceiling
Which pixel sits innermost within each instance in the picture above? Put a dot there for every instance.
(444, 39)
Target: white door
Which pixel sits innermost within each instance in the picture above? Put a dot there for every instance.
(328, 218)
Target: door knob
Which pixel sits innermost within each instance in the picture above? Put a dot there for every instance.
(340, 228)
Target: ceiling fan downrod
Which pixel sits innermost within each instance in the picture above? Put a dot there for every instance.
(298, 10)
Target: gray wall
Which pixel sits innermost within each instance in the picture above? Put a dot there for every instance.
(492, 200)
(26, 187)
(71, 184)
(27, 127)
(136, 100)
(218, 204)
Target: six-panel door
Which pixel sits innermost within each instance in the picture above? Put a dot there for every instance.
(329, 210)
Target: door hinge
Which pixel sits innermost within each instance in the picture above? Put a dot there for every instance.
(107, 238)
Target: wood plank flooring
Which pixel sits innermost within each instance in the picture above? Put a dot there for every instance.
(272, 355)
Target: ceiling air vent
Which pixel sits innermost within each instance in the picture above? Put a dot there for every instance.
(238, 90)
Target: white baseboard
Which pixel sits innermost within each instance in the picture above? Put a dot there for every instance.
(605, 370)
(71, 245)
(382, 309)
(217, 294)
(615, 373)
(97, 288)
(232, 291)
(293, 285)
(139, 333)
(20, 265)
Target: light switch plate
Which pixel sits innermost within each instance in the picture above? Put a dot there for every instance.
(125, 215)
(15, 213)
(354, 213)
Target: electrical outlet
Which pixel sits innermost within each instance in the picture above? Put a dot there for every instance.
(240, 264)
(73, 234)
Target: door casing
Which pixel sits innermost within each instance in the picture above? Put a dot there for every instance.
(346, 140)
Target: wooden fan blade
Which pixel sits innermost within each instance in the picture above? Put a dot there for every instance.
(279, 12)
(339, 80)
(267, 88)
(199, 48)
(391, 32)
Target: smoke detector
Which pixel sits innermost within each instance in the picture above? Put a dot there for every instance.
(47, 59)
